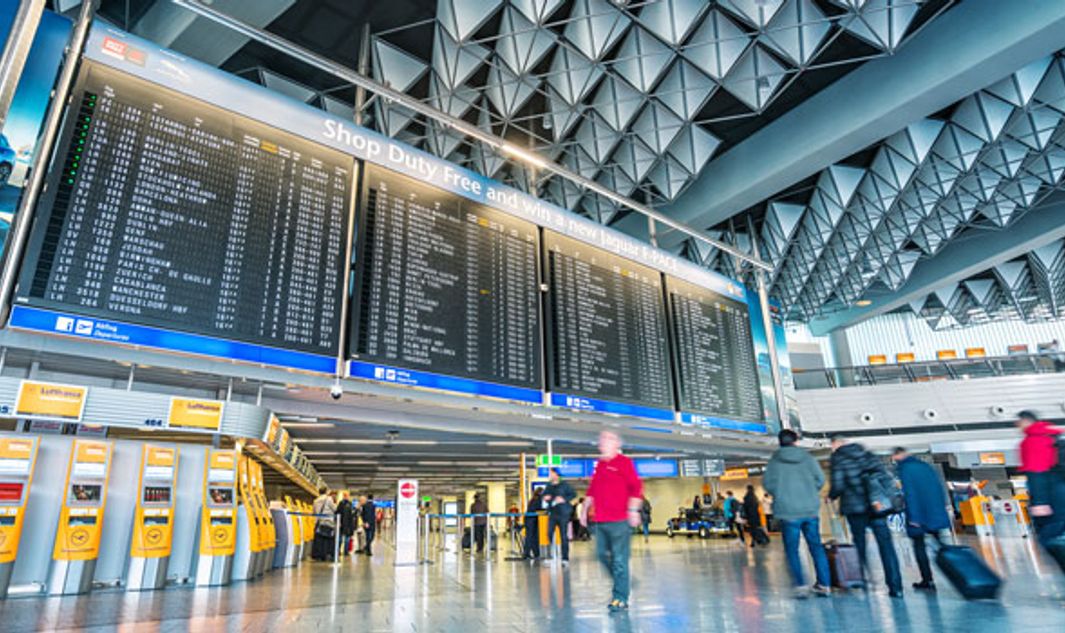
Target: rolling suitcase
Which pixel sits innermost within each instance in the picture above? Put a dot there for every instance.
(467, 538)
(967, 572)
(845, 566)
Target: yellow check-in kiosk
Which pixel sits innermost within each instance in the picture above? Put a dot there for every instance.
(218, 519)
(268, 538)
(249, 548)
(17, 458)
(153, 519)
(309, 522)
(294, 546)
(77, 538)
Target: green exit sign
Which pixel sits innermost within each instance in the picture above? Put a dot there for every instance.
(548, 460)
(426, 499)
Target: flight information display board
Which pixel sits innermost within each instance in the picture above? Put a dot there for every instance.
(716, 370)
(444, 285)
(168, 212)
(607, 328)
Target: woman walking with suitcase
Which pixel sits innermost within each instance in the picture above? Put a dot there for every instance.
(751, 512)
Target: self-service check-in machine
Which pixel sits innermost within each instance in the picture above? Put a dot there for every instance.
(153, 519)
(218, 519)
(295, 532)
(266, 519)
(309, 521)
(249, 535)
(77, 539)
(17, 458)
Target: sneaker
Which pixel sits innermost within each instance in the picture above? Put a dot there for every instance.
(822, 591)
(617, 605)
(895, 594)
(565, 563)
(802, 592)
(925, 586)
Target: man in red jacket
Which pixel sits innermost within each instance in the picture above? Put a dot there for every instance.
(1046, 484)
(614, 498)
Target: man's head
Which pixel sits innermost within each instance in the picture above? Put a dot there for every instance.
(609, 444)
(728, 494)
(899, 454)
(553, 475)
(1025, 418)
(362, 500)
(787, 437)
(370, 496)
(838, 441)
(347, 496)
(323, 491)
(333, 494)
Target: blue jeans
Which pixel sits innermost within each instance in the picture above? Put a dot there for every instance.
(858, 524)
(612, 546)
(810, 530)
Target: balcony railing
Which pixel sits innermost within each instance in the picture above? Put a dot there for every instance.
(927, 371)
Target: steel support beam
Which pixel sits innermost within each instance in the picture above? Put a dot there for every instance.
(969, 47)
(960, 260)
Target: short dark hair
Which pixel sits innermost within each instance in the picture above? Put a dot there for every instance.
(1028, 415)
(899, 450)
(370, 497)
(787, 437)
(838, 437)
(555, 470)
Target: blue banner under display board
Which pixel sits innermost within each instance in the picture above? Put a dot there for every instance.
(23, 125)
(645, 468)
(78, 326)
(708, 421)
(410, 378)
(578, 403)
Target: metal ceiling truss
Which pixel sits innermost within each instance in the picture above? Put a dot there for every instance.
(614, 91)
(996, 155)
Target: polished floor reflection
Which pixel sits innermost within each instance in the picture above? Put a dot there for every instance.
(679, 585)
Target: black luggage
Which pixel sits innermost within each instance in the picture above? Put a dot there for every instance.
(969, 574)
(845, 566)
(467, 538)
(759, 536)
(321, 547)
(1056, 547)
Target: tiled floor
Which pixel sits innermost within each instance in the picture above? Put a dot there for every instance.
(680, 585)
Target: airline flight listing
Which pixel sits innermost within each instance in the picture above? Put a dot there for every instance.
(169, 212)
(608, 335)
(444, 284)
(716, 367)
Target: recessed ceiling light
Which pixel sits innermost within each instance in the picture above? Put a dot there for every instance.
(861, 303)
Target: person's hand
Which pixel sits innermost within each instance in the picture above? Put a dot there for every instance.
(1041, 510)
(634, 518)
(877, 506)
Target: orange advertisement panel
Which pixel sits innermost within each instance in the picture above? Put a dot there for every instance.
(732, 474)
(85, 499)
(975, 352)
(17, 457)
(993, 459)
(205, 415)
(877, 359)
(50, 401)
(905, 357)
(1017, 350)
(946, 354)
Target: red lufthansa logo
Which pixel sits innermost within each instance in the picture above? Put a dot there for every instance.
(407, 490)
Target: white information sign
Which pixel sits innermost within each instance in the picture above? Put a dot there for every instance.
(407, 522)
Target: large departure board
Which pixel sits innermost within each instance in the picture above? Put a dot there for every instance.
(165, 211)
(607, 325)
(717, 374)
(444, 284)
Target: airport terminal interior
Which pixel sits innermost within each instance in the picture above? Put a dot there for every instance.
(532, 315)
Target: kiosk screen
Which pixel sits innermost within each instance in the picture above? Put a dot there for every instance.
(221, 496)
(10, 492)
(156, 494)
(82, 494)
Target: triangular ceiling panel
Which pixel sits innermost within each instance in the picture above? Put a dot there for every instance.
(537, 10)
(693, 147)
(595, 26)
(573, 75)
(454, 63)
(657, 126)
(797, 30)
(757, 13)
(685, 89)
(755, 78)
(521, 46)
(672, 20)
(717, 44)
(508, 92)
(641, 59)
(617, 102)
(462, 18)
(883, 23)
(396, 67)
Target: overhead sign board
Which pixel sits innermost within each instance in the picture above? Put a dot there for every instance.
(203, 415)
(50, 401)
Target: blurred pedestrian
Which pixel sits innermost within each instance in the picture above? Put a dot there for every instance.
(531, 550)
(1046, 483)
(731, 509)
(926, 510)
(752, 514)
(645, 518)
(480, 521)
(557, 498)
(346, 512)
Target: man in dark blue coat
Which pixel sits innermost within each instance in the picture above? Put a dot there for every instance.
(926, 509)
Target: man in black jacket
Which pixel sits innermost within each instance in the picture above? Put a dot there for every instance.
(368, 514)
(558, 498)
(347, 522)
(480, 522)
(852, 471)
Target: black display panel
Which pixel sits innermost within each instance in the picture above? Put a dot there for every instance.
(716, 367)
(606, 325)
(444, 284)
(165, 211)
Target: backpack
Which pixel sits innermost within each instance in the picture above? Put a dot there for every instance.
(881, 488)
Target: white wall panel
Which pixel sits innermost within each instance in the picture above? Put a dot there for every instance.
(904, 332)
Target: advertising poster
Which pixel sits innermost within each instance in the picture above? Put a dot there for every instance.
(23, 126)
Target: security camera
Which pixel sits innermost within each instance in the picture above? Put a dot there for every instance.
(336, 390)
